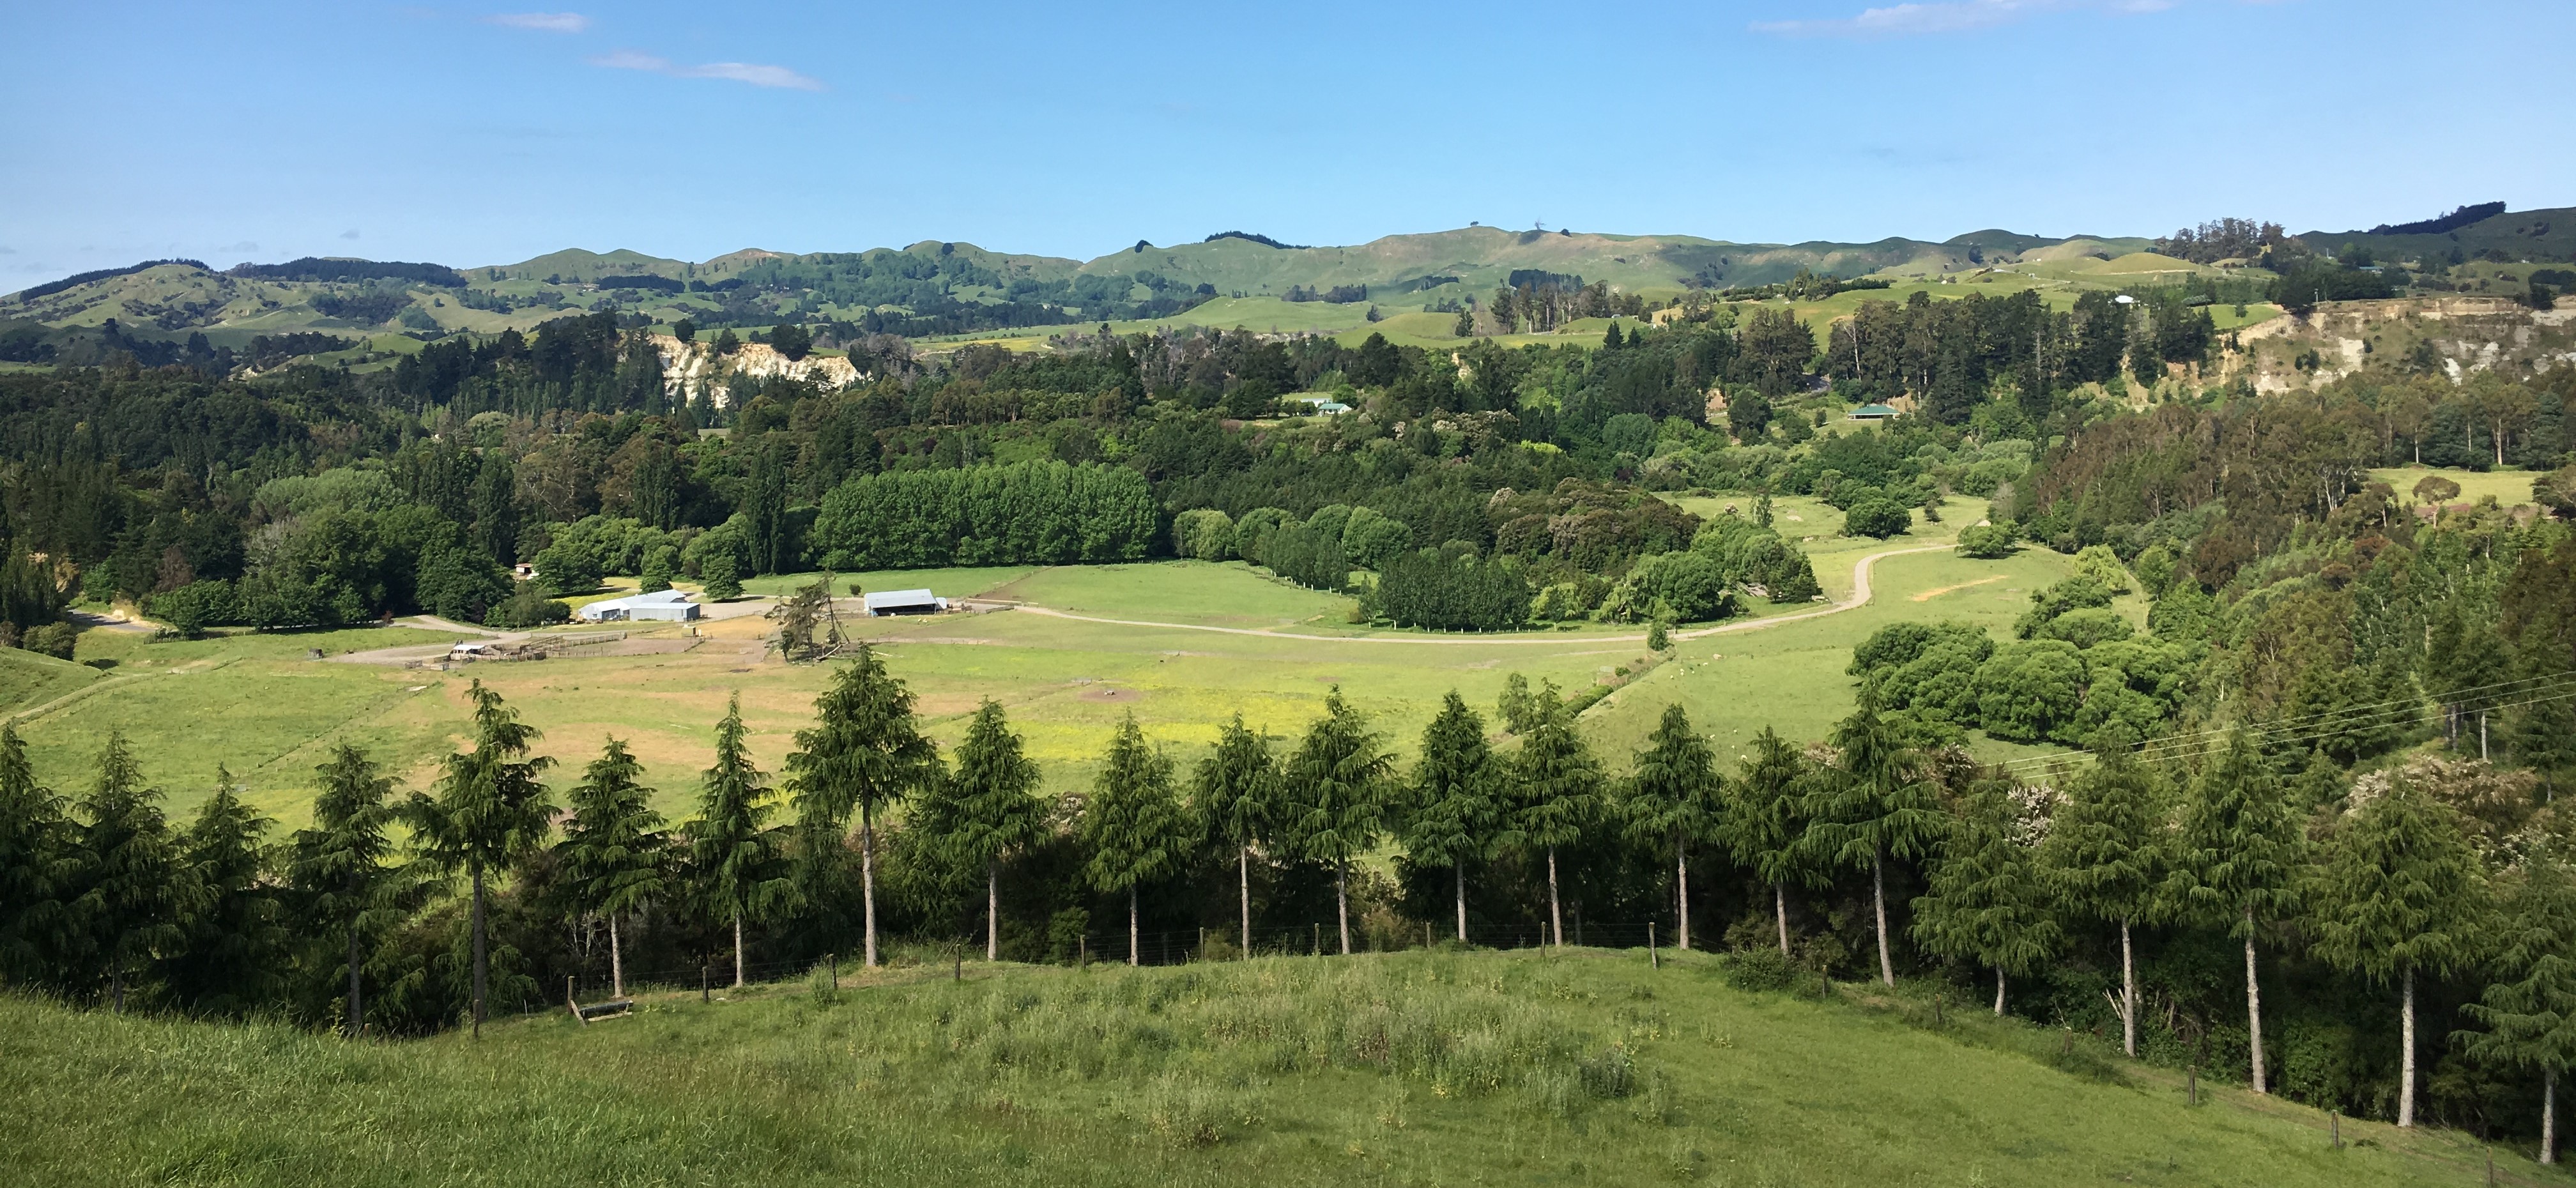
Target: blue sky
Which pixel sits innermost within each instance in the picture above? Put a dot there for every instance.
(474, 135)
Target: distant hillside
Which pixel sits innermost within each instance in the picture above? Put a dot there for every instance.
(2483, 232)
(936, 288)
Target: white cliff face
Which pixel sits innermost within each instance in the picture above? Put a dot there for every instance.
(696, 367)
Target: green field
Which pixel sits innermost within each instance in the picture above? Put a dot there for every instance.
(2509, 487)
(1183, 645)
(1584, 1067)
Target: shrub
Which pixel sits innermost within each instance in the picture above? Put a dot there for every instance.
(719, 577)
(192, 608)
(528, 607)
(1878, 516)
(50, 639)
(1758, 970)
(1204, 533)
(1989, 541)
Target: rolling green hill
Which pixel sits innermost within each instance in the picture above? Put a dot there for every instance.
(1583, 1067)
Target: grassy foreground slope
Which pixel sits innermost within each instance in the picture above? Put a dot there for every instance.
(1417, 1068)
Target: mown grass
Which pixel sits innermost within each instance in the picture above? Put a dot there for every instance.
(1414, 1068)
(2510, 487)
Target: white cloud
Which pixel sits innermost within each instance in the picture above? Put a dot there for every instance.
(1944, 16)
(351, 233)
(543, 22)
(754, 73)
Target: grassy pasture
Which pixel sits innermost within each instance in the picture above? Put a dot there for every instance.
(2509, 487)
(1582, 1067)
(1190, 644)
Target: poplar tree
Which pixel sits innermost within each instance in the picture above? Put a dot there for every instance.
(235, 934)
(1455, 801)
(1336, 783)
(2105, 855)
(35, 867)
(491, 809)
(987, 810)
(131, 878)
(1763, 825)
(2238, 858)
(615, 856)
(1134, 825)
(863, 753)
(1237, 789)
(2399, 894)
(1985, 902)
(337, 867)
(734, 856)
(1556, 786)
(2530, 1008)
(1676, 798)
(1871, 806)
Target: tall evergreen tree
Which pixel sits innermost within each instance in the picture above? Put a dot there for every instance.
(1456, 799)
(495, 508)
(1134, 826)
(491, 808)
(2530, 1007)
(735, 857)
(36, 868)
(1237, 791)
(1336, 782)
(1676, 798)
(864, 752)
(132, 879)
(1985, 902)
(1764, 824)
(2399, 894)
(236, 934)
(987, 811)
(2238, 858)
(2106, 853)
(1870, 806)
(337, 867)
(1556, 789)
(614, 854)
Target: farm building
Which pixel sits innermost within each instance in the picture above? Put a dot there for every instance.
(905, 602)
(663, 606)
(1872, 412)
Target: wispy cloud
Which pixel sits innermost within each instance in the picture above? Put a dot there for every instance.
(1944, 16)
(543, 22)
(351, 233)
(754, 73)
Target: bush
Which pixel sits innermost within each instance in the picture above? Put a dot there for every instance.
(50, 639)
(1758, 970)
(1204, 533)
(192, 608)
(1688, 586)
(1371, 538)
(1877, 516)
(719, 577)
(568, 568)
(528, 607)
(1989, 541)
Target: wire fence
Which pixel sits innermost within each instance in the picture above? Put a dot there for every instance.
(1156, 947)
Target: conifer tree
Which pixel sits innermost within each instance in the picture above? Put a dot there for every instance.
(1336, 782)
(1871, 806)
(2238, 858)
(987, 810)
(132, 880)
(337, 866)
(735, 860)
(1134, 825)
(35, 867)
(235, 934)
(1764, 827)
(491, 809)
(1455, 801)
(615, 857)
(2105, 855)
(2399, 894)
(1237, 788)
(1676, 798)
(1556, 793)
(1985, 901)
(2530, 1008)
(863, 753)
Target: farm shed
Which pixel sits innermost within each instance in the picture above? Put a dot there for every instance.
(663, 606)
(905, 602)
